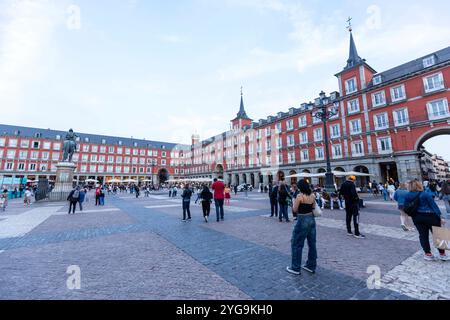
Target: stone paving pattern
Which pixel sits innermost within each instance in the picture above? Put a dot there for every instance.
(128, 251)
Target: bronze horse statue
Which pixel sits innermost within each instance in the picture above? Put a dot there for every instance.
(69, 146)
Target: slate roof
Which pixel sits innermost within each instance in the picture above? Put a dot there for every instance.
(10, 130)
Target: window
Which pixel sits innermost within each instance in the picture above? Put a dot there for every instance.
(118, 169)
(110, 159)
(55, 156)
(335, 131)
(35, 144)
(302, 121)
(24, 143)
(2, 142)
(43, 168)
(111, 149)
(384, 145)
(103, 141)
(381, 121)
(290, 124)
(428, 61)
(9, 166)
(437, 109)
(303, 137)
(142, 161)
(135, 152)
(318, 135)
(101, 158)
(163, 154)
(163, 162)
(350, 86)
(83, 168)
(21, 167)
(34, 155)
(84, 157)
(401, 117)
(101, 168)
(268, 132)
(379, 99)
(45, 155)
(85, 148)
(93, 158)
(291, 157)
(268, 145)
(127, 151)
(355, 126)
(376, 80)
(290, 141)
(11, 154)
(57, 146)
(319, 153)
(398, 93)
(433, 83)
(23, 154)
(278, 127)
(353, 106)
(13, 143)
(32, 166)
(357, 149)
(102, 149)
(305, 155)
(279, 143)
(316, 119)
(127, 160)
(94, 148)
(134, 160)
(336, 151)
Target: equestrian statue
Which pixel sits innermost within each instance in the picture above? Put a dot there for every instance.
(70, 146)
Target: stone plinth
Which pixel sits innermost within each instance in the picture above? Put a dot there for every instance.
(64, 181)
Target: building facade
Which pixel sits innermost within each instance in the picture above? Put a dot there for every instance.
(382, 120)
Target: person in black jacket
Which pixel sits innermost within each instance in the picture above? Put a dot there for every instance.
(73, 198)
(283, 199)
(273, 196)
(348, 191)
(186, 196)
(206, 197)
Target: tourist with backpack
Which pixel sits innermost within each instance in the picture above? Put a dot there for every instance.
(97, 196)
(284, 198)
(426, 214)
(73, 198)
(206, 197)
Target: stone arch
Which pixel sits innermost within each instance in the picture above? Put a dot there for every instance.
(163, 175)
(430, 134)
(362, 181)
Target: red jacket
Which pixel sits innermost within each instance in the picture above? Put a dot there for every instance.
(219, 188)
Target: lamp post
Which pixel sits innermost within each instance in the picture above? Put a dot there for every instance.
(324, 113)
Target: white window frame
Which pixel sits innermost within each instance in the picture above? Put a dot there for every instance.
(429, 61)
(291, 140)
(318, 138)
(291, 157)
(379, 144)
(381, 103)
(377, 79)
(440, 82)
(403, 97)
(350, 109)
(396, 118)
(354, 143)
(332, 133)
(347, 87)
(303, 153)
(333, 149)
(303, 141)
(377, 124)
(352, 132)
(317, 149)
(302, 121)
(443, 114)
(290, 125)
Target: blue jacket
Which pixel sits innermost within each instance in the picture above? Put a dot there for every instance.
(427, 203)
(82, 196)
(399, 196)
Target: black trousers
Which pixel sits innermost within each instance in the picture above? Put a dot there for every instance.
(186, 209)
(352, 211)
(424, 223)
(206, 207)
(273, 207)
(73, 204)
(81, 205)
(97, 200)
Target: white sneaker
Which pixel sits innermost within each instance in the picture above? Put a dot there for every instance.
(444, 257)
(428, 257)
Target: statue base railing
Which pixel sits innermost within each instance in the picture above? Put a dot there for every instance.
(64, 181)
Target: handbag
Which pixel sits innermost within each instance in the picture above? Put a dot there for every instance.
(317, 212)
(441, 238)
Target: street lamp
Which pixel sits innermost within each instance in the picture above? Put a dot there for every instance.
(324, 113)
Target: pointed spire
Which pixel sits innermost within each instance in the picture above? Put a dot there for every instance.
(353, 57)
(242, 114)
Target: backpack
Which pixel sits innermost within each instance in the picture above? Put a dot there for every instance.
(76, 194)
(412, 207)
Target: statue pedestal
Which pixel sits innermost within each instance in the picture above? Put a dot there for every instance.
(64, 181)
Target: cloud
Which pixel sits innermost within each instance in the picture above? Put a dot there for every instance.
(25, 33)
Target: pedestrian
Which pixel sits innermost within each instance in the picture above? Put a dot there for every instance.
(399, 196)
(206, 197)
(348, 191)
(227, 192)
(426, 216)
(174, 191)
(235, 189)
(219, 195)
(305, 229)
(86, 195)
(186, 196)
(97, 196)
(2, 202)
(27, 197)
(445, 191)
(102, 197)
(170, 192)
(73, 197)
(391, 190)
(283, 201)
(273, 197)
(294, 193)
(81, 198)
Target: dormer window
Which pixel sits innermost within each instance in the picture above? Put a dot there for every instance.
(86, 139)
(429, 61)
(58, 137)
(291, 111)
(120, 143)
(376, 80)
(103, 141)
(350, 86)
(304, 106)
(280, 114)
(135, 144)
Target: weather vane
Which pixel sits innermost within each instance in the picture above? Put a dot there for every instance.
(349, 27)
(241, 90)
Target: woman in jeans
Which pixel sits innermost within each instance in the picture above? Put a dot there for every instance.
(427, 216)
(399, 196)
(305, 229)
(283, 201)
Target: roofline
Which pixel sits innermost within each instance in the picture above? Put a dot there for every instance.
(363, 63)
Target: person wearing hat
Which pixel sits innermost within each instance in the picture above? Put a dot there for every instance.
(348, 192)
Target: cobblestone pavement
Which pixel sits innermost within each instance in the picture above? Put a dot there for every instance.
(139, 249)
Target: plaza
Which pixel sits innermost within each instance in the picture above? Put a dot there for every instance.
(138, 248)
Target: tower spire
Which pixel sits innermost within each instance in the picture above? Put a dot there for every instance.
(353, 57)
(242, 114)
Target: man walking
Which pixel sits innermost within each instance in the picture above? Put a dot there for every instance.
(81, 198)
(348, 191)
(219, 196)
(273, 196)
(73, 197)
(186, 196)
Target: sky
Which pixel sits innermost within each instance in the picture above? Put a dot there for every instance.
(163, 70)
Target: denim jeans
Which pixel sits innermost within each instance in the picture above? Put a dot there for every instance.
(186, 209)
(284, 212)
(274, 207)
(385, 195)
(219, 208)
(305, 229)
(446, 199)
(424, 223)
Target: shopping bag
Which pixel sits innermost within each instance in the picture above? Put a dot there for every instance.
(441, 238)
